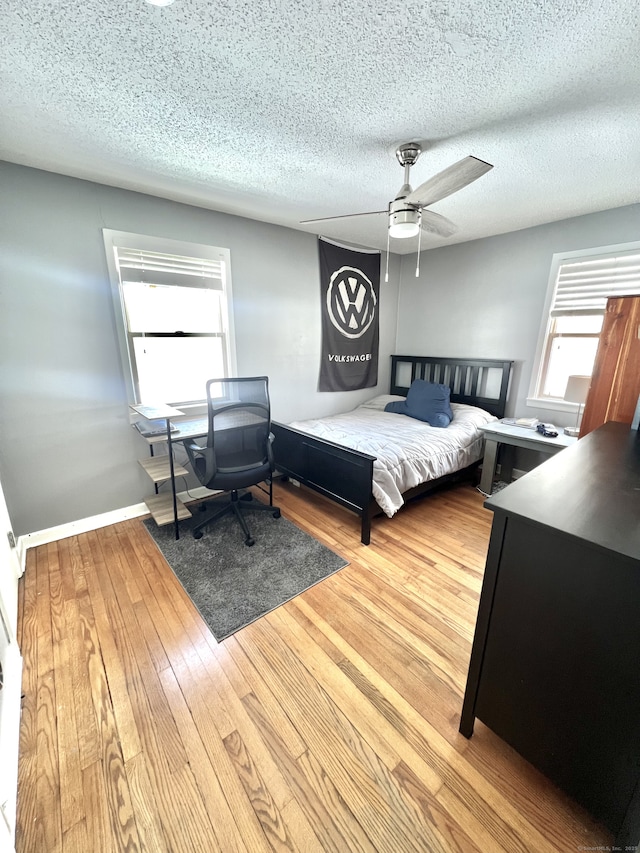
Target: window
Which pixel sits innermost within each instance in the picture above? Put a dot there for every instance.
(580, 284)
(174, 315)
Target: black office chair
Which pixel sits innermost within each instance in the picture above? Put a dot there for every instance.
(238, 450)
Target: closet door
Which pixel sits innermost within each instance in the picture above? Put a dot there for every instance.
(615, 385)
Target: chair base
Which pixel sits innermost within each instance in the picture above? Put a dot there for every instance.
(237, 505)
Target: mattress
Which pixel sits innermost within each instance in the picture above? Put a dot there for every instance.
(408, 452)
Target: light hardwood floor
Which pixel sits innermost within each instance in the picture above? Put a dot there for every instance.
(330, 724)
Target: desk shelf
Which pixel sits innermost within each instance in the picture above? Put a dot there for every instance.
(158, 468)
(161, 508)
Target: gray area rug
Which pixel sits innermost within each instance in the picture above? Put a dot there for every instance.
(231, 584)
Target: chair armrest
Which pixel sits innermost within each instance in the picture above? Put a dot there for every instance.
(194, 447)
(206, 472)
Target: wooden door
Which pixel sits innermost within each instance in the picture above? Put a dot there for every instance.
(615, 385)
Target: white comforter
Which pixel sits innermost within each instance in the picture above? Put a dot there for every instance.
(408, 452)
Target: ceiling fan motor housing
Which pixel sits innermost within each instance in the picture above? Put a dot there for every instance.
(408, 153)
(404, 220)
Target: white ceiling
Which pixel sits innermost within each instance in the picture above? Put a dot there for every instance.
(283, 110)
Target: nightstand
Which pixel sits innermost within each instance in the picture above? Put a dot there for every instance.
(498, 433)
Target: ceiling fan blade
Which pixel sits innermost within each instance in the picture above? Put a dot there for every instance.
(436, 224)
(448, 181)
(346, 216)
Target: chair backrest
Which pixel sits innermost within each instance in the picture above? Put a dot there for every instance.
(239, 414)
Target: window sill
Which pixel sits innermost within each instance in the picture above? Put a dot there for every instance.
(552, 404)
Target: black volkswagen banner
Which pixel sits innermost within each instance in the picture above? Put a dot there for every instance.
(349, 290)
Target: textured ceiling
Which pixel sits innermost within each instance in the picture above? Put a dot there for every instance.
(283, 110)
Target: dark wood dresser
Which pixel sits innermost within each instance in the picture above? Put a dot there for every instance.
(555, 664)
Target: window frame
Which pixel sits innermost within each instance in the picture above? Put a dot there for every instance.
(550, 339)
(145, 243)
(545, 335)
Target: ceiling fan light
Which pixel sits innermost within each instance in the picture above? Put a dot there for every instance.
(404, 223)
(403, 229)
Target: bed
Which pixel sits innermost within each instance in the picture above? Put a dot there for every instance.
(359, 465)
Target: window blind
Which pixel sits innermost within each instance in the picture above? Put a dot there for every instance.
(135, 265)
(584, 285)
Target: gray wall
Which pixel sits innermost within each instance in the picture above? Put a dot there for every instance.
(485, 298)
(67, 451)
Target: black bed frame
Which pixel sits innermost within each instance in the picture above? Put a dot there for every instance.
(345, 476)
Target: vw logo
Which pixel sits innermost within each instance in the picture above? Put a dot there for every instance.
(351, 302)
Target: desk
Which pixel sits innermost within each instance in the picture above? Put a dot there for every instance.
(497, 433)
(168, 508)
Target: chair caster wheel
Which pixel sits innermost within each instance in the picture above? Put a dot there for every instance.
(197, 534)
(277, 514)
(249, 541)
(247, 497)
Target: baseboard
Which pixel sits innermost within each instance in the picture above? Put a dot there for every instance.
(94, 522)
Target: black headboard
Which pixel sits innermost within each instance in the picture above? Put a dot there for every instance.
(482, 382)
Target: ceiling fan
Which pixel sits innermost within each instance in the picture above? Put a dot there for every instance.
(407, 213)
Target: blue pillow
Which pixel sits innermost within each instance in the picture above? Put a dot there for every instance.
(426, 401)
(397, 406)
